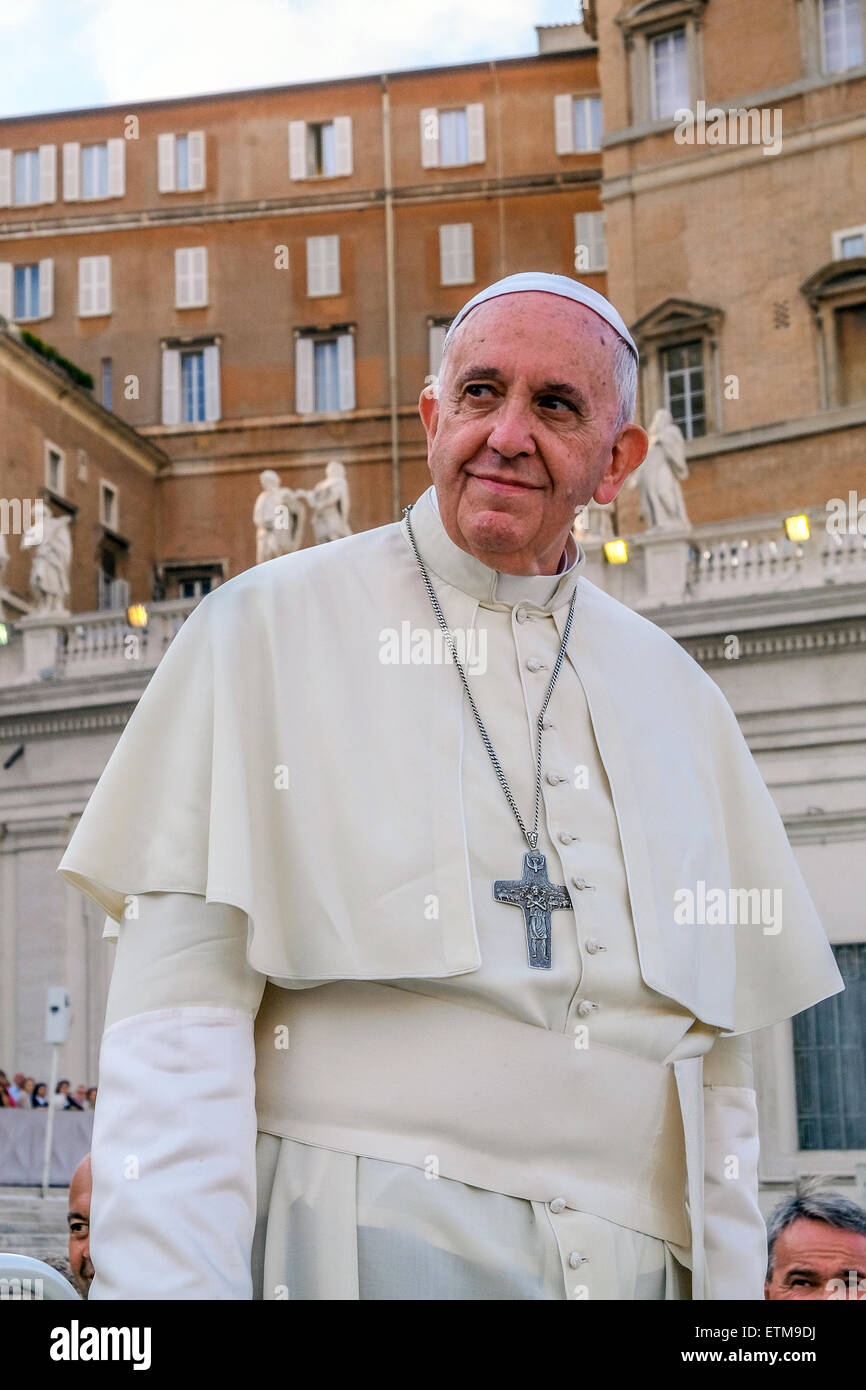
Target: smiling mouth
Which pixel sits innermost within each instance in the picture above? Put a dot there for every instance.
(502, 484)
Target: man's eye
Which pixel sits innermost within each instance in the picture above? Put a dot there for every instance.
(548, 401)
(477, 386)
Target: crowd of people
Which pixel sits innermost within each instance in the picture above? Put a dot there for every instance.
(23, 1092)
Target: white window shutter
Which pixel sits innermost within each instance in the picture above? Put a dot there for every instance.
(465, 252)
(196, 156)
(85, 285)
(6, 304)
(47, 173)
(165, 160)
(116, 168)
(71, 172)
(331, 264)
(457, 261)
(46, 289)
(446, 255)
(198, 274)
(343, 144)
(5, 178)
(212, 382)
(475, 132)
(181, 278)
(435, 338)
(563, 117)
(297, 149)
(305, 395)
(429, 138)
(314, 266)
(170, 386)
(102, 285)
(346, 370)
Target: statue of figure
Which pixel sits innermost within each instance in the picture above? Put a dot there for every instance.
(49, 574)
(278, 518)
(595, 521)
(661, 497)
(329, 504)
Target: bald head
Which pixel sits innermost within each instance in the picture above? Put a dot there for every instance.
(78, 1219)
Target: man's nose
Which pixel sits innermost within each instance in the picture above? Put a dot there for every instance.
(511, 432)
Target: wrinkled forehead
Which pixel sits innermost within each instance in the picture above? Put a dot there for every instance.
(532, 324)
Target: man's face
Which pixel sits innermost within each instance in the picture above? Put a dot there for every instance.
(814, 1260)
(523, 432)
(78, 1218)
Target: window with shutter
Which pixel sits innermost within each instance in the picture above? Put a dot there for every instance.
(192, 387)
(94, 171)
(587, 124)
(191, 284)
(669, 73)
(26, 302)
(457, 262)
(323, 266)
(94, 285)
(841, 34)
(26, 176)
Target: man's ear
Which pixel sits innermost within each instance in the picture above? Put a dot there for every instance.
(428, 409)
(628, 453)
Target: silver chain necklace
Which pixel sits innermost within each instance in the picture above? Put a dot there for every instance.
(534, 892)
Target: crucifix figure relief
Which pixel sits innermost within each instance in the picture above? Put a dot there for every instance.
(538, 897)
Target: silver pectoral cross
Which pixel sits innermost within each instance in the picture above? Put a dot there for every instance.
(538, 897)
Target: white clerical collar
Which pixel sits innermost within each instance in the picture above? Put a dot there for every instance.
(491, 587)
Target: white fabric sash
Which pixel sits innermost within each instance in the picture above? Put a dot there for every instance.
(391, 1074)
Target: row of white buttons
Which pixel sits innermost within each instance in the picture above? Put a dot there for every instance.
(593, 946)
(575, 1258)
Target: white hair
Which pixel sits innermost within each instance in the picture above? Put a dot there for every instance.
(624, 379)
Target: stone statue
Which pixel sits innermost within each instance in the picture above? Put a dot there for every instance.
(278, 518)
(49, 574)
(329, 505)
(661, 497)
(595, 521)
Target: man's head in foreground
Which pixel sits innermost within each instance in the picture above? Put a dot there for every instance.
(530, 418)
(817, 1248)
(78, 1217)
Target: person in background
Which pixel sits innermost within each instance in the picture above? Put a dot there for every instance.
(78, 1220)
(61, 1093)
(6, 1100)
(91, 1098)
(40, 1095)
(16, 1087)
(77, 1099)
(817, 1248)
(25, 1097)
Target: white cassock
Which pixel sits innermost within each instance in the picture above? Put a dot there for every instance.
(298, 833)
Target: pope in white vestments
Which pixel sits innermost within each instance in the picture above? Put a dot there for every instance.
(404, 1003)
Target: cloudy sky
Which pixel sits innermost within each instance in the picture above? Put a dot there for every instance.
(56, 55)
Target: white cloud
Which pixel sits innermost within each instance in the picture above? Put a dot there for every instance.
(164, 48)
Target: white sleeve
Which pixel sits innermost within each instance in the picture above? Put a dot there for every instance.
(174, 1129)
(735, 1235)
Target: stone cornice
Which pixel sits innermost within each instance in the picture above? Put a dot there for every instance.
(294, 205)
(767, 643)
